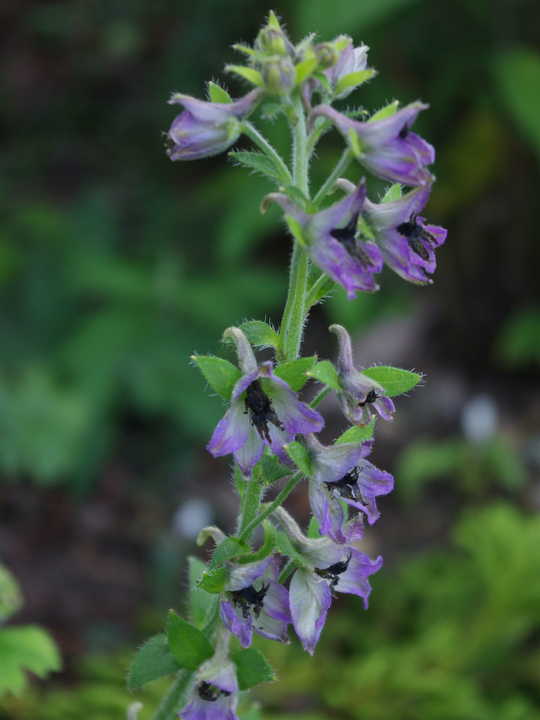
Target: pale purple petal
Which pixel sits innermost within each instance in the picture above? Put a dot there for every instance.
(235, 622)
(250, 452)
(354, 579)
(271, 628)
(231, 431)
(241, 576)
(225, 679)
(328, 512)
(310, 599)
(276, 602)
(220, 709)
(296, 416)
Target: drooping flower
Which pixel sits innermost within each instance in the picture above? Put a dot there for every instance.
(387, 147)
(327, 567)
(253, 600)
(358, 391)
(407, 243)
(207, 128)
(329, 464)
(263, 411)
(331, 242)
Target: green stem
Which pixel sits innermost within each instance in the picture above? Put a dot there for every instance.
(287, 570)
(300, 154)
(318, 290)
(269, 509)
(250, 505)
(337, 172)
(317, 400)
(261, 141)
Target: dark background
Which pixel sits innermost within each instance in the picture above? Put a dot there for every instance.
(117, 264)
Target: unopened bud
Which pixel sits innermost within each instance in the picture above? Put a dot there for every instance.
(272, 40)
(278, 76)
(326, 55)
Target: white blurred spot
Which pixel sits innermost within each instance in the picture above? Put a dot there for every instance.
(191, 517)
(479, 419)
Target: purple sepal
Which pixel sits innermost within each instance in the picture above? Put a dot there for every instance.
(207, 128)
(331, 242)
(286, 416)
(354, 579)
(388, 149)
(407, 243)
(351, 60)
(236, 623)
(310, 598)
(371, 483)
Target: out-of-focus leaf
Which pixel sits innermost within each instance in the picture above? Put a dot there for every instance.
(25, 648)
(10, 595)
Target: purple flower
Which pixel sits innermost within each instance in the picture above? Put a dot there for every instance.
(351, 60)
(387, 147)
(327, 567)
(254, 600)
(263, 411)
(358, 391)
(329, 465)
(207, 128)
(407, 243)
(330, 239)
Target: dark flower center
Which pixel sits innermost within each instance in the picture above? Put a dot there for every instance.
(404, 131)
(210, 693)
(415, 233)
(346, 236)
(248, 597)
(260, 407)
(370, 398)
(346, 485)
(333, 572)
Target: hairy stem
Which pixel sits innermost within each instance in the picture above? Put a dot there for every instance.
(250, 505)
(269, 509)
(263, 143)
(340, 168)
(317, 400)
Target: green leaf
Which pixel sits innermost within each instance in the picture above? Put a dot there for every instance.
(214, 581)
(321, 77)
(354, 79)
(259, 162)
(395, 381)
(285, 546)
(386, 111)
(299, 455)
(517, 72)
(295, 372)
(260, 334)
(188, 644)
(319, 290)
(273, 469)
(268, 546)
(248, 73)
(154, 660)
(296, 229)
(25, 648)
(217, 94)
(357, 434)
(221, 375)
(393, 193)
(325, 372)
(304, 69)
(251, 668)
(313, 528)
(365, 228)
(10, 594)
(200, 600)
(229, 548)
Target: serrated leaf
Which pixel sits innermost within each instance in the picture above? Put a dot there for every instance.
(294, 372)
(325, 372)
(304, 69)
(251, 668)
(299, 455)
(285, 546)
(313, 528)
(386, 111)
(229, 548)
(357, 434)
(259, 162)
(221, 375)
(154, 660)
(214, 581)
(273, 469)
(354, 79)
(23, 649)
(248, 73)
(395, 381)
(393, 193)
(260, 334)
(188, 645)
(200, 600)
(217, 94)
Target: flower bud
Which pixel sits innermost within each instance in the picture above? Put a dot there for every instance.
(279, 76)
(327, 55)
(272, 39)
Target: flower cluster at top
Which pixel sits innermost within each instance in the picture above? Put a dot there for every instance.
(268, 429)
